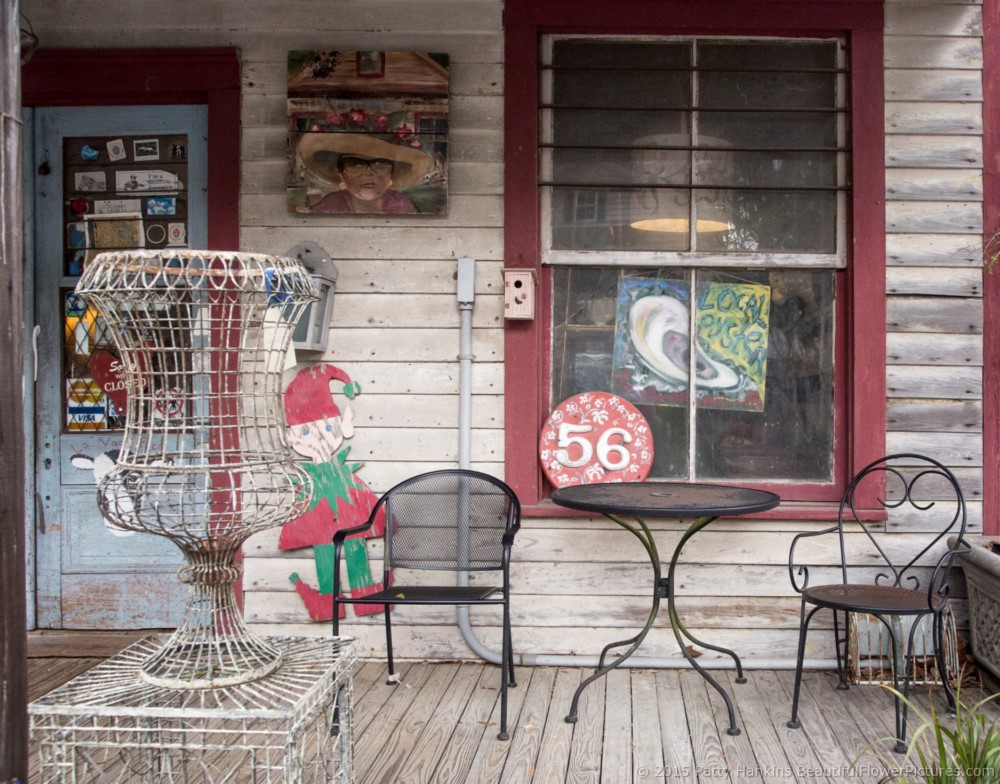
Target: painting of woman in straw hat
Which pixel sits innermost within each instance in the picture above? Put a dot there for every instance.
(370, 172)
(365, 139)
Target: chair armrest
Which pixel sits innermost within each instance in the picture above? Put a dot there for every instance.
(508, 536)
(341, 534)
(802, 569)
(940, 582)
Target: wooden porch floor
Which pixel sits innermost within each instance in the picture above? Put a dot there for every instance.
(439, 724)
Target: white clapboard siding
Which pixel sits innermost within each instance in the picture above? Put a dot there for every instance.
(405, 276)
(933, 118)
(417, 311)
(430, 411)
(933, 382)
(938, 217)
(579, 582)
(920, 19)
(922, 348)
(948, 250)
(961, 416)
(607, 544)
(413, 345)
(929, 84)
(922, 51)
(561, 610)
(420, 378)
(927, 314)
(966, 282)
(933, 152)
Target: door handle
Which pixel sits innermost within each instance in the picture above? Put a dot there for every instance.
(39, 514)
(34, 349)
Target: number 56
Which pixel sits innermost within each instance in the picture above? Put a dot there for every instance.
(569, 434)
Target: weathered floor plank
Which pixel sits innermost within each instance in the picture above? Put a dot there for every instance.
(678, 757)
(557, 738)
(439, 725)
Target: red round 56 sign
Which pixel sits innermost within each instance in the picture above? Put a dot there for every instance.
(595, 437)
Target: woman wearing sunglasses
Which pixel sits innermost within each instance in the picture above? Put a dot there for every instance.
(371, 172)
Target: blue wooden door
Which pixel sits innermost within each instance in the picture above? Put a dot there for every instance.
(102, 178)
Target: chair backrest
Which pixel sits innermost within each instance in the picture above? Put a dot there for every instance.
(454, 520)
(921, 495)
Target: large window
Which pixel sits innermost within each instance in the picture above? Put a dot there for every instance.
(705, 214)
(702, 183)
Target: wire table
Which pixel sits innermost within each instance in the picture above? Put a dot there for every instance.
(293, 726)
(638, 500)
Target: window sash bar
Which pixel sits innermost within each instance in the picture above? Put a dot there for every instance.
(688, 69)
(689, 108)
(679, 147)
(634, 186)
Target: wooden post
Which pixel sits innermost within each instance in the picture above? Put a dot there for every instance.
(13, 637)
(991, 279)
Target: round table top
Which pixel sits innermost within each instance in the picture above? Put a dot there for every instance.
(666, 499)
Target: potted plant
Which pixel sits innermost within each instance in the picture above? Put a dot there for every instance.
(981, 565)
(963, 750)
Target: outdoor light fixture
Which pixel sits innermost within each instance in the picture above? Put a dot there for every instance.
(313, 327)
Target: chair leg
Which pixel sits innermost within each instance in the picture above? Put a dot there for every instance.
(506, 667)
(900, 704)
(510, 647)
(804, 620)
(388, 646)
(842, 660)
(942, 663)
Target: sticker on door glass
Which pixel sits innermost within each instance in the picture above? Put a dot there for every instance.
(595, 437)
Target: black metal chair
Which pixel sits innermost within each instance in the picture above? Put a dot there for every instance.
(453, 520)
(913, 586)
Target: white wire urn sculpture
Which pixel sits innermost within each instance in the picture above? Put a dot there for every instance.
(202, 338)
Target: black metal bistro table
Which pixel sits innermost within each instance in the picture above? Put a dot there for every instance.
(638, 500)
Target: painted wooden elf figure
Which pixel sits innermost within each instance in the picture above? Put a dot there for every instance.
(317, 430)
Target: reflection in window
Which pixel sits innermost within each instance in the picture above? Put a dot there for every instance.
(745, 140)
(762, 364)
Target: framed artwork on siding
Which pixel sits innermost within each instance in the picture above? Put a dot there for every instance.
(368, 133)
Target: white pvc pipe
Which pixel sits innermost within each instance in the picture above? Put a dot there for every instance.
(466, 301)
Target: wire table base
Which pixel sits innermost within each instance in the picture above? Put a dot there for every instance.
(294, 726)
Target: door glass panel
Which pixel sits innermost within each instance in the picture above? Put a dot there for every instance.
(120, 192)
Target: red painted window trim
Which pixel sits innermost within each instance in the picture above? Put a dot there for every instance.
(135, 77)
(991, 283)
(526, 351)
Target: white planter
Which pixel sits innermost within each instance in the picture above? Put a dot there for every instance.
(982, 575)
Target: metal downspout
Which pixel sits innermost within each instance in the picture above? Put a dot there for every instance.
(466, 299)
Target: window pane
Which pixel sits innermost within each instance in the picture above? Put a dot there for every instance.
(586, 338)
(791, 433)
(762, 363)
(638, 130)
(628, 73)
(770, 221)
(767, 74)
(603, 219)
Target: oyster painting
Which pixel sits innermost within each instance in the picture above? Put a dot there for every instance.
(652, 357)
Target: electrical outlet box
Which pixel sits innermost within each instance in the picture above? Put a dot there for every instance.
(519, 293)
(466, 287)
